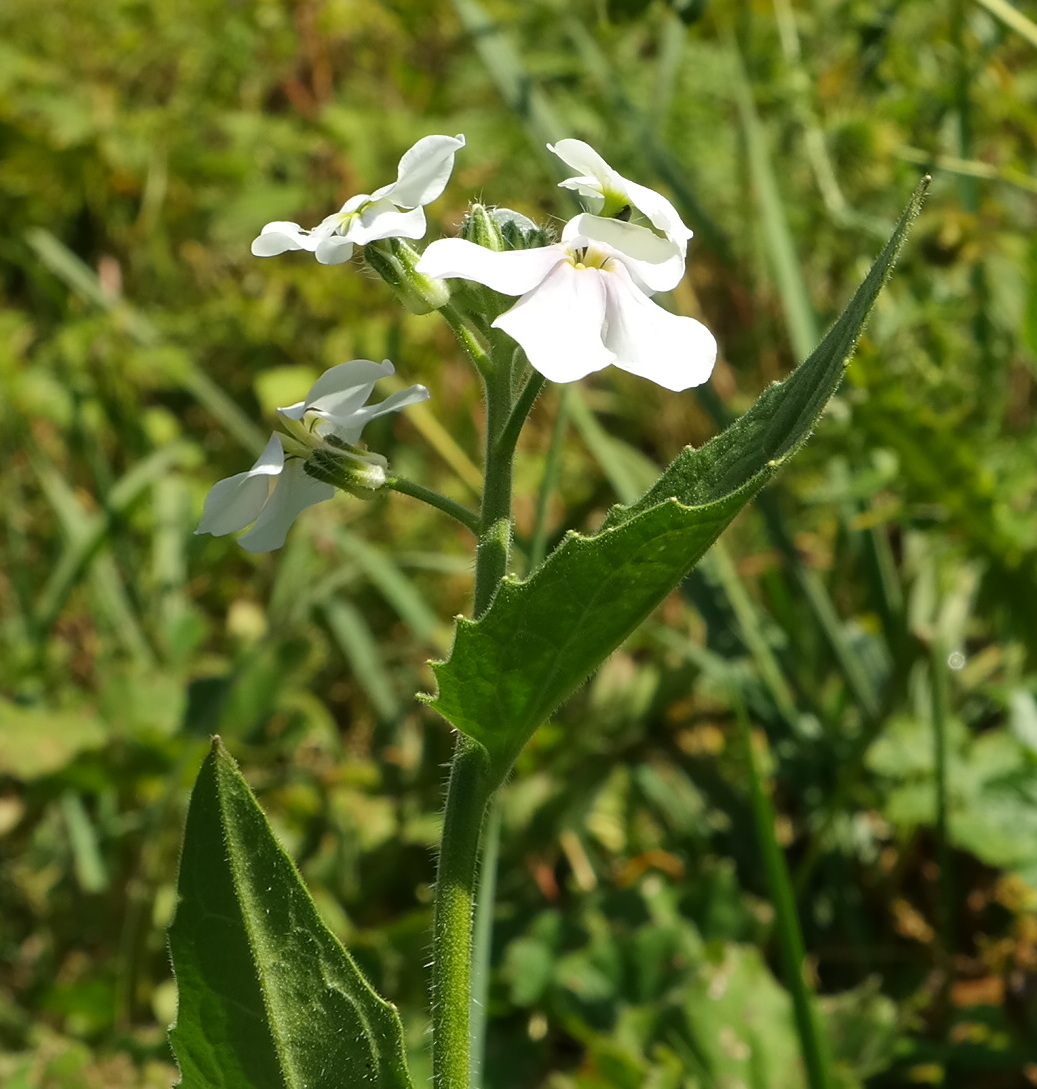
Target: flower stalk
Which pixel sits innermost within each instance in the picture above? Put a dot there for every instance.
(471, 788)
(458, 511)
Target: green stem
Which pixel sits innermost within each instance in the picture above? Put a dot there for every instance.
(466, 799)
(491, 559)
(483, 935)
(458, 511)
(520, 410)
(812, 1042)
(469, 341)
(552, 466)
(453, 1025)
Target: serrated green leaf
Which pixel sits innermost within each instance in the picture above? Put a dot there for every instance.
(268, 997)
(542, 637)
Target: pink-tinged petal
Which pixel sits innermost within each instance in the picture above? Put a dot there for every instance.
(279, 237)
(512, 272)
(672, 351)
(382, 219)
(295, 491)
(559, 325)
(655, 263)
(238, 501)
(424, 171)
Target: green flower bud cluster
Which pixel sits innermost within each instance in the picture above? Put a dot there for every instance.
(503, 229)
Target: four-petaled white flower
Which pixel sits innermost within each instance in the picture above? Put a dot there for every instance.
(584, 302)
(393, 211)
(607, 192)
(277, 488)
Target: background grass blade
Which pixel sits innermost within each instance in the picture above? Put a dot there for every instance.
(816, 1057)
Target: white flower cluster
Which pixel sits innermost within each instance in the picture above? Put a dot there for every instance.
(584, 303)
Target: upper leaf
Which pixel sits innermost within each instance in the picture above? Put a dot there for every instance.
(540, 638)
(268, 997)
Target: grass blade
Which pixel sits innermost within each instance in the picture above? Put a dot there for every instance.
(362, 651)
(84, 281)
(812, 1041)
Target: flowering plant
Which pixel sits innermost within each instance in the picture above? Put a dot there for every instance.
(268, 996)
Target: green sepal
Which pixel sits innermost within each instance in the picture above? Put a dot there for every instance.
(542, 637)
(396, 261)
(481, 227)
(268, 997)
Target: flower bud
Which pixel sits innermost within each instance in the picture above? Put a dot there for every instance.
(395, 260)
(360, 472)
(520, 232)
(481, 227)
(503, 229)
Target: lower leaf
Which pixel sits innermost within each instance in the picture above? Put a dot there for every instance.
(268, 997)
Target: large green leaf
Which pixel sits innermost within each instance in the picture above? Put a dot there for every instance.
(268, 997)
(543, 636)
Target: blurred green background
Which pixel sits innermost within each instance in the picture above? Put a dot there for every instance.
(874, 614)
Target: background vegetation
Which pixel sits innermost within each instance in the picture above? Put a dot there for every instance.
(872, 620)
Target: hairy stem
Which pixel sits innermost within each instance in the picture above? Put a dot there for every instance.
(470, 789)
(466, 800)
(458, 511)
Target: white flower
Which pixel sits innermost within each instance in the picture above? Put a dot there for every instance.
(277, 488)
(394, 211)
(585, 302)
(608, 192)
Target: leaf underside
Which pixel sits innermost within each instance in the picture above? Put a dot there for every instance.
(268, 997)
(543, 636)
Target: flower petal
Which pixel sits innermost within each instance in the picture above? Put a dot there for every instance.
(585, 160)
(656, 263)
(660, 213)
(412, 395)
(295, 491)
(559, 324)
(424, 171)
(238, 500)
(512, 272)
(382, 219)
(279, 237)
(334, 250)
(674, 352)
(600, 179)
(351, 375)
(588, 190)
(341, 390)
